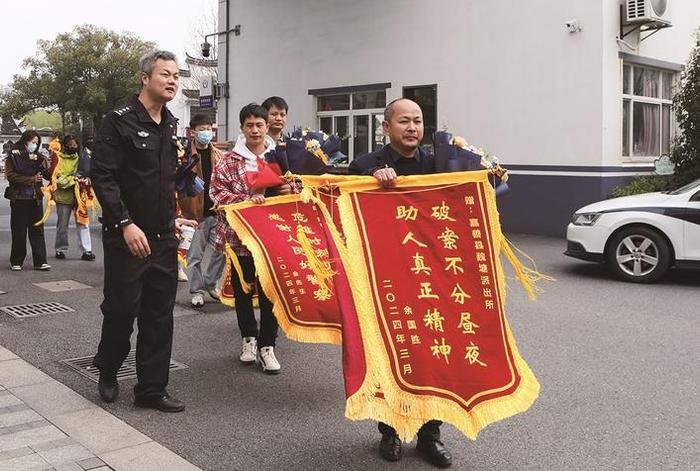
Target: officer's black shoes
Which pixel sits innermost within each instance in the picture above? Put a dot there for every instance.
(163, 403)
(435, 453)
(390, 447)
(108, 387)
(60, 255)
(87, 256)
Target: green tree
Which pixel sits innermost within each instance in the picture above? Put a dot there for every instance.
(81, 75)
(686, 149)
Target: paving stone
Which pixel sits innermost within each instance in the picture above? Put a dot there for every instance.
(98, 430)
(16, 453)
(44, 446)
(5, 354)
(63, 399)
(40, 422)
(30, 437)
(91, 463)
(25, 463)
(147, 457)
(8, 399)
(67, 467)
(15, 373)
(66, 454)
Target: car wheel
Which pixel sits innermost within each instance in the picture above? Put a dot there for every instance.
(638, 254)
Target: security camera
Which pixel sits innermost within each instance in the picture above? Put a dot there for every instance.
(206, 49)
(573, 27)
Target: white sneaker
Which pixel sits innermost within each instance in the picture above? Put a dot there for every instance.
(43, 267)
(249, 350)
(269, 363)
(181, 275)
(16, 267)
(198, 300)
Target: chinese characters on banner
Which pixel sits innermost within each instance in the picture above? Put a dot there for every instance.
(434, 334)
(307, 310)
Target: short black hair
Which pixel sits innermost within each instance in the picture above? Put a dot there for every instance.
(199, 119)
(25, 138)
(277, 102)
(254, 110)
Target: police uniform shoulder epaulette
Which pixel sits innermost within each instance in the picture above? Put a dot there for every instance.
(123, 110)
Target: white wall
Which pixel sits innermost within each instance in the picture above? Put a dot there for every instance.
(510, 77)
(672, 44)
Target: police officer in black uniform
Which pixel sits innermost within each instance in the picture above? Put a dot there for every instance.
(133, 174)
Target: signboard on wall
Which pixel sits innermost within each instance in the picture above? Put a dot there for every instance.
(206, 92)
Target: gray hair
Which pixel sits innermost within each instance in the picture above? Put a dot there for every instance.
(148, 60)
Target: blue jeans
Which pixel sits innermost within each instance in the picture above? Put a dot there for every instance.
(204, 236)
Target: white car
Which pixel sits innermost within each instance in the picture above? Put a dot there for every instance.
(639, 237)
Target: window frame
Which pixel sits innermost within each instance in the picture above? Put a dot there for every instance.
(350, 114)
(633, 99)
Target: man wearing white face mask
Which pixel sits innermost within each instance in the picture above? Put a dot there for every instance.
(199, 207)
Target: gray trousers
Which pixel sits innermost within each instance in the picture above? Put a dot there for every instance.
(204, 236)
(63, 213)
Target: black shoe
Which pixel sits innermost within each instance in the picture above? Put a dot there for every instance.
(87, 256)
(108, 387)
(435, 453)
(60, 255)
(390, 447)
(163, 403)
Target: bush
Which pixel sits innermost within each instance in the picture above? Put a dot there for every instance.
(686, 149)
(643, 184)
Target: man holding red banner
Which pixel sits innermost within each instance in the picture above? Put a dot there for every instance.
(403, 124)
(243, 175)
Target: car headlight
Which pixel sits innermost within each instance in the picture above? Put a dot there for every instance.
(584, 219)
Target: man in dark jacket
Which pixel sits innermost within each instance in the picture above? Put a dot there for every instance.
(403, 124)
(133, 174)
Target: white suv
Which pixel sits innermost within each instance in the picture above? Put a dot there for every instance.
(639, 237)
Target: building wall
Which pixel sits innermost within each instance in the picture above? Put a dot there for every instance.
(510, 78)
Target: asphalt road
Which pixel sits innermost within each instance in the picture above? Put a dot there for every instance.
(617, 363)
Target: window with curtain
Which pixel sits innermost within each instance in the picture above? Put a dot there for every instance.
(647, 101)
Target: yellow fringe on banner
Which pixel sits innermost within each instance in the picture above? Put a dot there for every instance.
(404, 411)
(528, 277)
(50, 203)
(321, 268)
(225, 277)
(247, 287)
(313, 333)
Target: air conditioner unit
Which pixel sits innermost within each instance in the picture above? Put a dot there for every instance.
(647, 11)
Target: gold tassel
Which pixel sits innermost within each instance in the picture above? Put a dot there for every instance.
(247, 287)
(322, 269)
(50, 203)
(528, 277)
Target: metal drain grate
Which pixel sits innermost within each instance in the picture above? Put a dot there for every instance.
(83, 365)
(22, 311)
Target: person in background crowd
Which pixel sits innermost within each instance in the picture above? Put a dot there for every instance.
(25, 170)
(229, 184)
(66, 178)
(199, 208)
(277, 109)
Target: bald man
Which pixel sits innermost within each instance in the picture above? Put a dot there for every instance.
(403, 124)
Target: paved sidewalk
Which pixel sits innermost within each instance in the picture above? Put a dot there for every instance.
(44, 425)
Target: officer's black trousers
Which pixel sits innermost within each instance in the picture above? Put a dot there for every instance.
(23, 215)
(144, 289)
(267, 334)
(430, 430)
